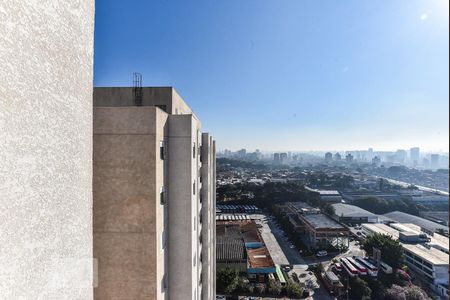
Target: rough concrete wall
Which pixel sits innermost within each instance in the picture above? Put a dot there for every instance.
(46, 54)
(126, 194)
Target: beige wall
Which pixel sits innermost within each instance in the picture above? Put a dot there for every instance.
(127, 212)
(46, 55)
(128, 176)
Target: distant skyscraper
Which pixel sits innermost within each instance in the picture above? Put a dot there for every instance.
(337, 156)
(328, 156)
(349, 157)
(283, 157)
(400, 156)
(276, 158)
(241, 153)
(414, 155)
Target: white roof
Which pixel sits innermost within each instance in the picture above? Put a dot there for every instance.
(432, 255)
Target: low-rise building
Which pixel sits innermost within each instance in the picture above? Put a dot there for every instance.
(424, 224)
(427, 257)
(326, 195)
(351, 214)
(321, 232)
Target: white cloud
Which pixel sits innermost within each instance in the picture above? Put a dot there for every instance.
(424, 17)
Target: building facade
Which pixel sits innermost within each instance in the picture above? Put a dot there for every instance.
(154, 197)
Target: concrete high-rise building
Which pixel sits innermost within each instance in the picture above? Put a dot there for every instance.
(400, 156)
(276, 158)
(46, 58)
(283, 157)
(154, 197)
(328, 156)
(337, 156)
(349, 158)
(414, 155)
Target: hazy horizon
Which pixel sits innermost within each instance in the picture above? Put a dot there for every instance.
(293, 74)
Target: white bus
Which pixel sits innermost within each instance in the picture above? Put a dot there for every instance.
(351, 270)
(371, 269)
(385, 268)
(361, 269)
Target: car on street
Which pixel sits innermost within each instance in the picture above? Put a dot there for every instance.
(322, 253)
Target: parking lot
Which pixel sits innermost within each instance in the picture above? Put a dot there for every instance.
(284, 253)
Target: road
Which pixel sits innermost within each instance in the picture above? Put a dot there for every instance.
(283, 254)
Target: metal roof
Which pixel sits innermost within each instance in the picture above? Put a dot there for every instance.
(402, 217)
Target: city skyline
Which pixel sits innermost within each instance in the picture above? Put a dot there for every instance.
(290, 75)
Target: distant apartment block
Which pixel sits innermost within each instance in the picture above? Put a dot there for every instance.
(153, 197)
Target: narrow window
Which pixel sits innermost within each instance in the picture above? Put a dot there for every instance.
(193, 188)
(193, 151)
(162, 199)
(161, 149)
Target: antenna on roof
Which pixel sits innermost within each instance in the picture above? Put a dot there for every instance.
(137, 88)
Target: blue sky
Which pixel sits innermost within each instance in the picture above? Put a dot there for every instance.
(289, 75)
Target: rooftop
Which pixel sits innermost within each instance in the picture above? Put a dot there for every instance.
(321, 221)
(323, 192)
(431, 255)
(259, 258)
(348, 210)
(402, 217)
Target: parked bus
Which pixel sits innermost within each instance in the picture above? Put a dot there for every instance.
(332, 283)
(371, 269)
(385, 268)
(361, 269)
(351, 270)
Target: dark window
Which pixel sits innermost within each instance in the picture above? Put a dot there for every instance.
(193, 151)
(162, 199)
(161, 149)
(193, 187)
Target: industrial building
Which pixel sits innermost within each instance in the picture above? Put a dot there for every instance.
(426, 255)
(351, 214)
(153, 196)
(241, 246)
(318, 231)
(326, 195)
(230, 247)
(424, 224)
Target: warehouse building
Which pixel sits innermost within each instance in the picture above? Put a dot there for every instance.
(424, 224)
(326, 195)
(351, 214)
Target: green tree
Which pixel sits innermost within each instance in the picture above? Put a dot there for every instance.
(293, 289)
(227, 280)
(359, 289)
(275, 287)
(391, 250)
